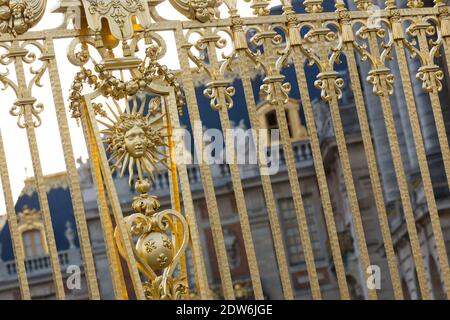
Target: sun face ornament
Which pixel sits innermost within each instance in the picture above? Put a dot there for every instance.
(135, 142)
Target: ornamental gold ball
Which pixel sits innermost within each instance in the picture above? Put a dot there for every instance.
(156, 249)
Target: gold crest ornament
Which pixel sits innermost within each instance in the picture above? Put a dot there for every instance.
(157, 250)
(135, 142)
(18, 16)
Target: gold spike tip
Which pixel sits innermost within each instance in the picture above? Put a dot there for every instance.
(313, 6)
(339, 5)
(414, 4)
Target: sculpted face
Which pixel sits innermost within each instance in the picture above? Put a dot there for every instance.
(136, 142)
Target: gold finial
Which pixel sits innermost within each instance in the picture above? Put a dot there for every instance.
(231, 5)
(364, 5)
(390, 4)
(340, 5)
(414, 3)
(260, 7)
(313, 6)
(287, 7)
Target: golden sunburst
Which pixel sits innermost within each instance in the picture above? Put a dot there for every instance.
(135, 141)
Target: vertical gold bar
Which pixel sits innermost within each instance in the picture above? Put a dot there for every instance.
(39, 177)
(175, 194)
(74, 183)
(423, 164)
(12, 224)
(115, 268)
(320, 174)
(188, 203)
(349, 184)
(115, 203)
(373, 172)
(242, 209)
(205, 172)
(244, 67)
(404, 194)
(237, 186)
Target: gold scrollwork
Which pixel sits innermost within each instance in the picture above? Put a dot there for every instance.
(418, 45)
(380, 77)
(382, 81)
(25, 98)
(156, 253)
(216, 88)
(150, 70)
(431, 77)
(328, 82)
(268, 89)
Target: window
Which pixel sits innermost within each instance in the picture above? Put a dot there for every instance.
(291, 233)
(272, 121)
(32, 242)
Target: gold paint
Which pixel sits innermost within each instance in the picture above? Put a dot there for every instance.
(385, 89)
(277, 94)
(244, 66)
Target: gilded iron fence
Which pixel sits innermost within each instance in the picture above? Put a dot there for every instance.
(123, 93)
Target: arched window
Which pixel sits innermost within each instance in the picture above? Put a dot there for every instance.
(31, 229)
(290, 230)
(268, 118)
(32, 243)
(438, 290)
